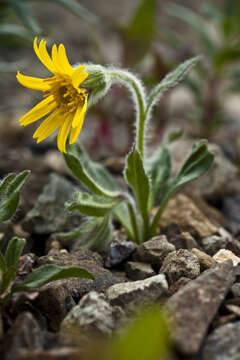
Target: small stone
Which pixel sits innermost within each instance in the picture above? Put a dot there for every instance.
(49, 214)
(24, 334)
(235, 289)
(154, 250)
(138, 270)
(178, 285)
(230, 209)
(223, 255)
(64, 353)
(188, 216)
(180, 263)
(234, 246)
(120, 249)
(188, 241)
(195, 305)
(212, 244)
(223, 343)
(54, 297)
(205, 260)
(131, 294)
(91, 317)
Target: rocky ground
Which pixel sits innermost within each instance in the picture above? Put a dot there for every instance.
(192, 267)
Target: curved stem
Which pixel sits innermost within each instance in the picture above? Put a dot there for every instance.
(138, 93)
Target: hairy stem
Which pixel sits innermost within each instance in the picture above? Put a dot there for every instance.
(138, 93)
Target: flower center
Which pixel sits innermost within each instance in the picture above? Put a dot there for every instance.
(65, 94)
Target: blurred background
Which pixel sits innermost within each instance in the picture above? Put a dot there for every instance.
(149, 37)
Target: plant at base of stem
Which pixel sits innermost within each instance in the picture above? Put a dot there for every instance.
(70, 92)
(147, 177)
(10, 188)
(37, 278)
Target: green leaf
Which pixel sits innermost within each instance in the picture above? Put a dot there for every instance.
(172, 136)
(9, 204)
(25, 15)
(77, 9)
(195, 22)
(138, 180)
(197, 164)
(170, 80)
(94, 176)
(5, 182)
(7, 278)
(14, 251)
(95, 234)
(2, 264)
(48, 273)
(227, 56)
(13, 30)
(144, 338)
(138, 35)
(158, 167)
(92, 205)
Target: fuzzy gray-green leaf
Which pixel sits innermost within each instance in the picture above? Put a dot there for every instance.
(9, 204)
(92, 205)
(159, 168)
(94, 233)
(93, 175)
(171, 80)
(48, 273)
(137, 178)
(14, 251)
(197, 164)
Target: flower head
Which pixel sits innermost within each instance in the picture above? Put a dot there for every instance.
(64, 101)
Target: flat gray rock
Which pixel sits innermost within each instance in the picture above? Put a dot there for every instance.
(154, 250)
(131, 294)
(223, 343)
(92, 316)
(194, 306)
(49, 214)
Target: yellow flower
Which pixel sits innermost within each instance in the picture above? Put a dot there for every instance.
(64, 100)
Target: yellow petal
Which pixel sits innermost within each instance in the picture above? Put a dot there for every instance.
(43, 55)
(79, 76)
(48, 126)
(32, 82)
(55, 59)
(79, 115)
(40, 110)
(64, 60)
(63, 134)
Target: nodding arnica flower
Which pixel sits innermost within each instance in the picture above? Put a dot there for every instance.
(65, 102)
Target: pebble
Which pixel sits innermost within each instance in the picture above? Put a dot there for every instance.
(131, 294)
(138, 270)
(223, 343)
(92, 316)
(180, 263)
(205, 260)
(154, 250)
(120, 249)
(195, 305)
(223, 255)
